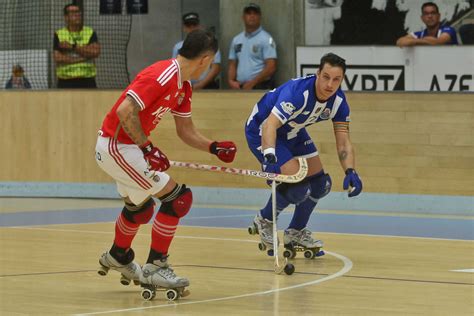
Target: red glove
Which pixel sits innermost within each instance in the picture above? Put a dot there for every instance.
(156, 159)
(225, 151)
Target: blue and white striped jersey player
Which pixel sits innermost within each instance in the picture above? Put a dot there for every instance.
(276, 134)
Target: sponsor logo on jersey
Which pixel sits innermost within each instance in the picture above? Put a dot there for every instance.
(287, 107)
(238, 48)
(308, 142)
(325, 114)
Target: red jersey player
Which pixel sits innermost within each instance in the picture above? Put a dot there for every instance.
(125, 153)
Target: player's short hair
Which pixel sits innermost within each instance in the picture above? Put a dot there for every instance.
(198, 42)
(333, 60)
(429, 4)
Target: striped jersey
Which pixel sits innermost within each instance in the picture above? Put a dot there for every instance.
(157, 90)
(296, 106)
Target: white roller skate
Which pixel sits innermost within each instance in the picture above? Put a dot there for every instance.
(264, 228)
(159, 276)
(301, 241)
(130, 272)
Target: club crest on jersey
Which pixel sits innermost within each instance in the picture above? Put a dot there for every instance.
(180, 98)
(254, 49)
(325, 114)
(287, 107)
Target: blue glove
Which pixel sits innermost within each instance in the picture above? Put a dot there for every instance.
(269, 163)
(352, 180)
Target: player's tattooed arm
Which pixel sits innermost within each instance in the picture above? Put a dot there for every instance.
(345, 151)
(127, 113)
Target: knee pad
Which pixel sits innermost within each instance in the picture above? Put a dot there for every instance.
(320, 185)
(295, 192)
(178, 202)
(139, 214)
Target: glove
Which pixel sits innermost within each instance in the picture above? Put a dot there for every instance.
(225, 151)
(270, 161)
(156, 159)
(352, 180)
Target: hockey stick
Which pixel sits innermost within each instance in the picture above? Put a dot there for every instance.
(297, 177)
(285, 266)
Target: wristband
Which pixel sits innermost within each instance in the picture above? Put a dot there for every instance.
(269, 150)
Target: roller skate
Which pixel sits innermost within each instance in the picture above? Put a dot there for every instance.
(130, 272)
(264, 228)
(158, 276)
(301, 241)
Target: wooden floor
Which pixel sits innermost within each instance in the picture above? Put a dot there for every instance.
(51, 269)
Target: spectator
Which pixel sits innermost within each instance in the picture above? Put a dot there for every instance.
(18, 79)
(75, 48)
(252, 54)
(433, 34)
(209, 79)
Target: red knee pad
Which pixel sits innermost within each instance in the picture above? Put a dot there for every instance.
(180, 205)
(142, 215)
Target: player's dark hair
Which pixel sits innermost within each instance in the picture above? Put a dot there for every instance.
(198, 42)
(67, 6)
(429, 4)
(333, 60)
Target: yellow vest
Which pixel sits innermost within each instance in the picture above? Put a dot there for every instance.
(85, 69)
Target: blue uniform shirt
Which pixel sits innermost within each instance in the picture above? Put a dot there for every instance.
(442, 29)
(251, 50)
(296, 106)
(217, 59)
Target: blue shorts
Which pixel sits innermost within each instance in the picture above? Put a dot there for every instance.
(300, 146)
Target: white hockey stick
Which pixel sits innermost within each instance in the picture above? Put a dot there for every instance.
(297, 177)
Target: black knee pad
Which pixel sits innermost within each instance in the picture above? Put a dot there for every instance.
(295, 192)
(139, 214)
(178, 202)
(320, 185)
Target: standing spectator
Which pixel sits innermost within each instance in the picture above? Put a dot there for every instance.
(75, 48)
(434, 33)
(252, 54)
(209, 79)
(18, 79)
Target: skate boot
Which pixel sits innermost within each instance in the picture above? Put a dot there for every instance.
(160, 276)
(301, 241)
(264, 228)
(130, 272)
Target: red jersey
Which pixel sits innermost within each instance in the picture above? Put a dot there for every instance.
(157, 90)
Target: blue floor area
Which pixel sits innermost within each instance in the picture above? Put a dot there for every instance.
(431, 227)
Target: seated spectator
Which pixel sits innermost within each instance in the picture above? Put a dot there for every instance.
(252, 54)
(18, 79)
(209, 79)
(434, 33)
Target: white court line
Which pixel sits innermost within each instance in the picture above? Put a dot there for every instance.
(346, 268)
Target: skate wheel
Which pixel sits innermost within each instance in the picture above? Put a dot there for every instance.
(103, 271)
(308, 254)
(172, 294)
(289, 269)
(124, 280)
(252, 230)
(320, 253)
(148, 294)
(136, 282)
(289, 254)
(270, 252)
(185, 293)
(262, 246)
